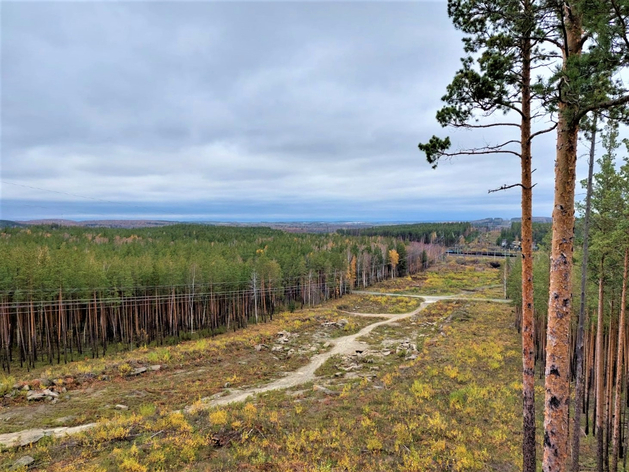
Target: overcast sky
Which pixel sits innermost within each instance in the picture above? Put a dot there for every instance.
(240, 112)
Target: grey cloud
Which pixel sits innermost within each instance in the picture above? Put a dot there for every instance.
(167, 102)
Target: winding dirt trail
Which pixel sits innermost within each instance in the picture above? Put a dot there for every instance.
(340, 346)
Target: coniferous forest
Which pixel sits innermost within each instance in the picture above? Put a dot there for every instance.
(71, 291)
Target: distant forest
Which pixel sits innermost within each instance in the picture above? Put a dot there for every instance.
(447, 234)
(540, 231)
(66, 290)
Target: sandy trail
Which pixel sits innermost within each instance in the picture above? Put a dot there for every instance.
(340, 346)
(435, 298)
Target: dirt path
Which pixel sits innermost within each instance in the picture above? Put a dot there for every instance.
(341, 346)
(436, 298)
(345, 345)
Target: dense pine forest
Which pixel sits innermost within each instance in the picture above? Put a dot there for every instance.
(540, 232)
(67, 291)
(443, 233)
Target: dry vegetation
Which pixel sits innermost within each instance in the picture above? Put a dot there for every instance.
(440, 390)
(188, 371)
(470, 276)
(374, 304)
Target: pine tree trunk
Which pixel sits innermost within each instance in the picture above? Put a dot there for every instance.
(608, 394)
(600, 395)
(557, 371)
(619, 368)
(578, 396)
(528, 341)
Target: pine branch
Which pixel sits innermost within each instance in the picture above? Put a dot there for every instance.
(602, 106)
(507, 187)
(479, 151)
(543, 131)
(491, 125)
(621, 20)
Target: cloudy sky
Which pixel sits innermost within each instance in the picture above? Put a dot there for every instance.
(237, 111)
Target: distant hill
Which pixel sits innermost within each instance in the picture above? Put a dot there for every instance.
(9, 224)
(491, 223)
(303, 226)
(536, 219)
(500, 223)
(101, 223)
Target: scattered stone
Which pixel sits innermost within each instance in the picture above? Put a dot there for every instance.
(65, 419)
(136, 394)
(335, 324)
(277, 349)
(327, 344)
(339, 374)
(26, 388)
(121, 407)
(227, 384)
(41, 395)
(259, 347)
(386, 353)
(324, 390)
(25, 461)
(138, 371)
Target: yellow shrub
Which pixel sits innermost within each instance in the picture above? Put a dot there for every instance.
(218, 417)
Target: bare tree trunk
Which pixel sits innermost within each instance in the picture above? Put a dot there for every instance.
(557, 371)
(600, 395)
(578, 396)
(619, 368)
(608, 393)
(528, 341)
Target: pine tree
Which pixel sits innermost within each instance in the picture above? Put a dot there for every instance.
(504, 38)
